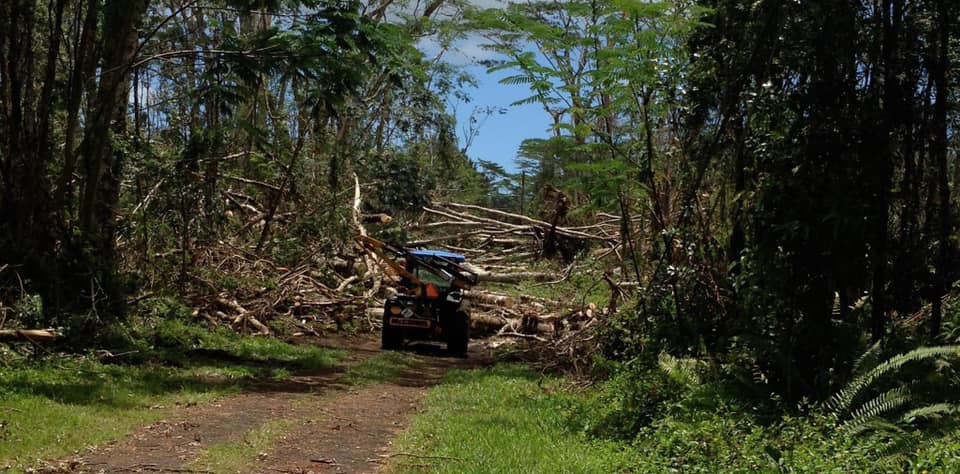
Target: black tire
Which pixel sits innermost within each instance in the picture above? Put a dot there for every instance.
(458, 334)
(391, 338)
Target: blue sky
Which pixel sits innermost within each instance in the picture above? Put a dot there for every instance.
(501, 134)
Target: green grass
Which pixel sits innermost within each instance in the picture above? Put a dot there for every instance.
(178, 342)
(507, 420)
(379, 368)
(237, 456)
(53, 406)
(504, 419)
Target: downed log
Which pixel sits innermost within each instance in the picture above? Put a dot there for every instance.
(497, 299)
(486, 324)
(463, 250)
(483, 275)
(29, 335)
(521, 218)
(505, 256)
(377, 218)
(230, 305)
(566, 232)
(242, 320)
(345, 283)
(271, 187)
(522, 336)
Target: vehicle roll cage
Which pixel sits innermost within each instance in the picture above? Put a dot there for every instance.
(444, 268)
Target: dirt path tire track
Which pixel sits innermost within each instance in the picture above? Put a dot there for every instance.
(353, 430)
(333, 426)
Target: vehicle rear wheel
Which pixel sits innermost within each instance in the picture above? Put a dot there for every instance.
(458, 334)
(391, 337)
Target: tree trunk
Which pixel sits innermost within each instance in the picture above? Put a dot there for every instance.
(939, 152)
(103, 163)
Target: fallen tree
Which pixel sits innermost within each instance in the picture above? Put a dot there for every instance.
(27, 335)
(483, 224)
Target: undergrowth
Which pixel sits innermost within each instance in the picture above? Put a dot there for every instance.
(667, 416)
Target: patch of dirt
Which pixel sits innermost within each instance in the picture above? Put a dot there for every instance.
(335, 427)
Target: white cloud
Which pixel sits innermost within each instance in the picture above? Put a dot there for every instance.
(462, 52)
(469, 49)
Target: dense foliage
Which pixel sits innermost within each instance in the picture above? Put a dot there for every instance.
(137, 136)
(792, 164)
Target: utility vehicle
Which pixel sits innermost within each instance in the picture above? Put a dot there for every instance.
(428, 305)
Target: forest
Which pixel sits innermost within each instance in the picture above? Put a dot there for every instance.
(733, 250)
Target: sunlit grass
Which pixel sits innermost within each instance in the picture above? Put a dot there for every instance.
(379, 368)
(56, 405)
(504, 419)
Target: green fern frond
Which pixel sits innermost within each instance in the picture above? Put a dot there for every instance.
(869, 359)
(896, 453)
(684, 371)
(876, 425)
(937, 410)
(843, 400)
(884, 403)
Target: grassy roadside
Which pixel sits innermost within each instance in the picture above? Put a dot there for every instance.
(55, 405)
(507, 419)
(503, 419)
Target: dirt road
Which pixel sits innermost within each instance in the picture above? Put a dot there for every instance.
(312, 423)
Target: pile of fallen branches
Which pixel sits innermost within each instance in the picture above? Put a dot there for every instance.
(325, 291)
(316, 295)
(480, 228)
(503, 247)
(330, 289)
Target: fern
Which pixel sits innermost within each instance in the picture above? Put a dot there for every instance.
(873, 415)
(869, 359)
(684, 371)
(896, 454)
(937, 410)
(877, 425)
(874, 409)
(843, 400)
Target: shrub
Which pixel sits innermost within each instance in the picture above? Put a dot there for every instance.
(629, 401)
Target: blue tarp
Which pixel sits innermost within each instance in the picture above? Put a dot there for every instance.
(454, 257)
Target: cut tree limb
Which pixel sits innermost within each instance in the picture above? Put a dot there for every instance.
(483, 275)
(566, 232)
(30, 335)
(368, 260)
(254, 182)
(377, 218)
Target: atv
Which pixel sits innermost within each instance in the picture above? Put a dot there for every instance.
(428, 305)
